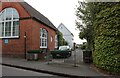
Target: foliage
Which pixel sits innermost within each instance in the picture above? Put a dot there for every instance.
(61, 40)
(81, 35)
(65, 42)
(84, 46)
(107, 38)
(34, 51)
(86, 13)
(101, 28)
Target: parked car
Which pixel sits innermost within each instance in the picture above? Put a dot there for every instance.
(64, 48)
(63, 51)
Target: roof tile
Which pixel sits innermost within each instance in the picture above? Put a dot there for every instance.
(37, 15)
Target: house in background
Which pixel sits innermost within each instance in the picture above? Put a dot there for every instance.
(23, 28)
(67, 35)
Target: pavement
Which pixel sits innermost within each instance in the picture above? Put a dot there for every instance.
(56, 67)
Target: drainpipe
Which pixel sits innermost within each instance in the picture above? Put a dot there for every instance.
(25, 45)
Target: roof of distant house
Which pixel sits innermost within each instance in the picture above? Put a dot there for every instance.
(37, 15)
(65, 27)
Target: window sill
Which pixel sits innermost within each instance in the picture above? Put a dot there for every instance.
(9, 37)
(43, 46)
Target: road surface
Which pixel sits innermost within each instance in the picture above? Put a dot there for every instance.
(10, 71)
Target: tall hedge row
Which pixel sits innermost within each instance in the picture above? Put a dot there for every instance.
(106, 53)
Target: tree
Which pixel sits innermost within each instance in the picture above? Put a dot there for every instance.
(81, 35)
(84, 46)
(61, 40)
(101, 28)
(86, 13)
(65, 42)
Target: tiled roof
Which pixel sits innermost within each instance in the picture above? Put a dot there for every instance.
(37, 15)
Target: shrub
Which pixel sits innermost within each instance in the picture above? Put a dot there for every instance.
(34, 51)
(84, 46)
(106, 53)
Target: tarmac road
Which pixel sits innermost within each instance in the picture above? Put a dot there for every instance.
(10, 71)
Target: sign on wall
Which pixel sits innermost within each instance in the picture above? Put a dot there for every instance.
(6, 41)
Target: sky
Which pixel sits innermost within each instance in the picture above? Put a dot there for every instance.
(59, 11)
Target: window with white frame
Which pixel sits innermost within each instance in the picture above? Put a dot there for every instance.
(9, 23)
(43, 38)
(56, 41)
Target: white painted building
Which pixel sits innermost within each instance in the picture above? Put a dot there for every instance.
(67, 35)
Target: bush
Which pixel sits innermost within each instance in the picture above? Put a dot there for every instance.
(84, 46)
(106, 53)
(34, 51)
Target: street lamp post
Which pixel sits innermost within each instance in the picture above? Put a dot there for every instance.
(25, 45)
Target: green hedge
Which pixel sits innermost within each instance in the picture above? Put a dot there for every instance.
(83, 47)
(106, 53)
(34, 51)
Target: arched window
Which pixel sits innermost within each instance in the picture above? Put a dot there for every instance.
(9, 23)
(56, 41)
(43, 38)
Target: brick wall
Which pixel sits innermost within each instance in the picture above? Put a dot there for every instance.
(16, 47)
(36, 35)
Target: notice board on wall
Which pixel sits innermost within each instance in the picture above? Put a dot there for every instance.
(6, 41)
